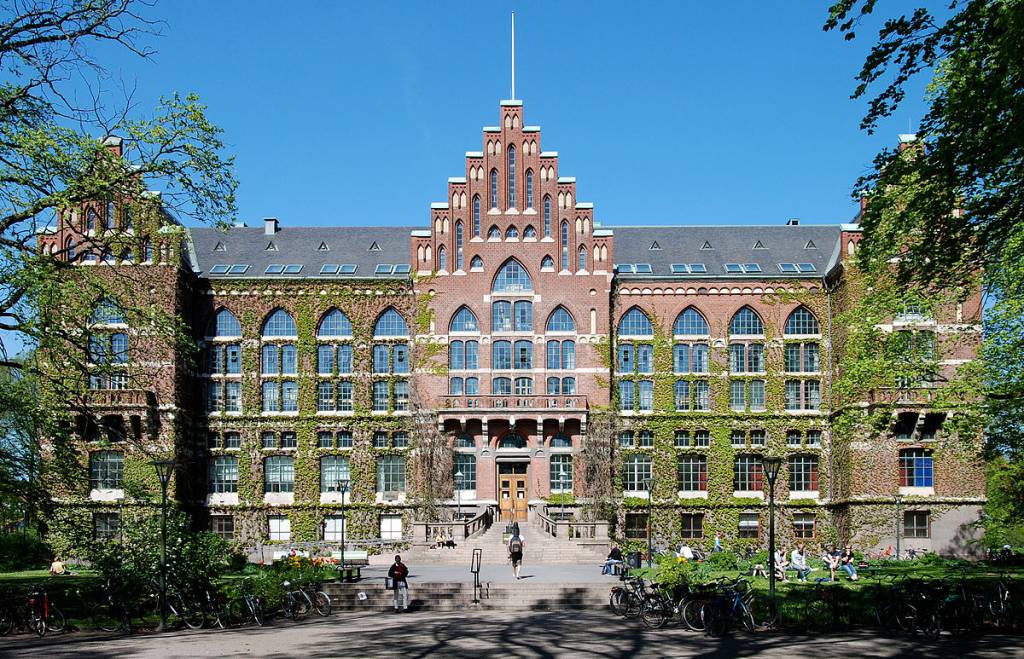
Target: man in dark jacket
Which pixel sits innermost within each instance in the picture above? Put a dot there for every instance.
(398, 573)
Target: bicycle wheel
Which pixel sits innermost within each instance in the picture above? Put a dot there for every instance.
(56, 621)
(103, 617)
(653, 614)
(37, 623)
(617, 602)
(6, 621)
(301, 609)
(257, 612)
(763, 613)
(322, 603)
(716, 623)
(633, 606)
(192, 616)
(692, 617)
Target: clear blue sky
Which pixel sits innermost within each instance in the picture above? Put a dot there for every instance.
(676, 112)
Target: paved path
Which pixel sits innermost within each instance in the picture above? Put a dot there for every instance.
(476, 635)
(589, 573)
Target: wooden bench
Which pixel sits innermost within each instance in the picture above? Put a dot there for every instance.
(353, 556)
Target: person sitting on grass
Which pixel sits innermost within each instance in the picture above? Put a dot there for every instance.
(781, 564)
(832, 560)
(847, 563)
(798, 562)
(57, 568)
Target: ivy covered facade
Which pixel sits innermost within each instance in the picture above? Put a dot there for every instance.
(513, 353)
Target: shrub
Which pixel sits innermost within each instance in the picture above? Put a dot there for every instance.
(723, 560)
(23, 551)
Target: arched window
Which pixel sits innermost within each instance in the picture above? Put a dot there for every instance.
(442, 258)
(147, 250)
(802, 321)
(390, 323)
(511, 177)
(458, 245)
(690, 323)
(511, 232)
(494, 188)
(560, 321)
(501, 316)
(464, 320)
(554, 386)
(635, 323)
(476, 262)
(547, 216)
(529, 188)
(280, 323)
(746, 322)
(90, 219)
(476, 215)
(529, 232)
(512, 440)
(512, 278)
(565, 245)
(501, 386)
(70, 249)
(225, 326)
(561, 441)
(569, 386)
(494, 233)
(465, 440)
(335, 324)
(582, 260)
(108, 312)
(547, 263)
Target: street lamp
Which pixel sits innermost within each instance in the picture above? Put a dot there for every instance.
(649, 484)
(343, 488)
(458, 494)
(164, 471)
(770, 464)
(899, 505)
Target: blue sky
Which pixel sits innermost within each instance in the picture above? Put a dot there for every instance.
(666, 113)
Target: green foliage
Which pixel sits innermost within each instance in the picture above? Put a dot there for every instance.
(1003, 522)
(723, 560)
(130, 562)
(23, 551)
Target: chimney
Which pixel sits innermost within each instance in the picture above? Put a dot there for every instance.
(863, 200)
(907, 140)
(793, 222)
(115, 144)
(269, 226)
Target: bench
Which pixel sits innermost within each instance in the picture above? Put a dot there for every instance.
(278, 555)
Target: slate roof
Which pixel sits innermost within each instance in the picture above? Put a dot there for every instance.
(728, 244)
(362, 247)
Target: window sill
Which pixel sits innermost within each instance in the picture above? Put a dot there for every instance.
(917, 491)
(335, 413)
(398, 500)
(106, 495)
(335, 497)
(745, 494)
(279, 498)
(803, 494)
(697, 494)
(222, 499)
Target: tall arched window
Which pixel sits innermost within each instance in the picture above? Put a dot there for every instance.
(529, 188)
(690, 323)
(390, 323)
(582, 259)
(334, 324)
(280, 323)
(746, 322)
(442, 258)
(511, 177)
(635, 323)
(494, 188)
(561, 321)
(802, 322)
(547, 216)
(90, 219)
(565, 245)
(512, 277)
(458, 245)
(225, 326)
(476, 215)
(108, 312)
(464, 320)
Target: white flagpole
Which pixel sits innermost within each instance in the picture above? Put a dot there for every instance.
(513, 56)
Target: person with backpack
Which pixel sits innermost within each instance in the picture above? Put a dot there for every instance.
(515, 553)
(398, 574)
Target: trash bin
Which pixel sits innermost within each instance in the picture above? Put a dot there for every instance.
(633, 560)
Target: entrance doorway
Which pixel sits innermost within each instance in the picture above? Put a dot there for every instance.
(512, 499)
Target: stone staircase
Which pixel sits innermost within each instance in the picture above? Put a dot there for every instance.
(540, 548)
(514, 596)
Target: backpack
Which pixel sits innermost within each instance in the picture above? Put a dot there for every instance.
(516, 547)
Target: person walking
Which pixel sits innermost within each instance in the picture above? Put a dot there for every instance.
(398, 575)
(515, 553)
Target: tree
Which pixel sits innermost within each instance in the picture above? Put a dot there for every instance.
(56, 155)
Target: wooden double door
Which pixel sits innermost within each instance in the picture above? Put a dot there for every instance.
(512, 497)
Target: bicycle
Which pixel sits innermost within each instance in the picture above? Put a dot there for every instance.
(625, 600)
(246, 609)
(657, 608)
(215, 609)
(293, 606)
(36, 614)
(317, 599)
(734, 602)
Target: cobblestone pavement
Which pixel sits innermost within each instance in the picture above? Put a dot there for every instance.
(478, 634)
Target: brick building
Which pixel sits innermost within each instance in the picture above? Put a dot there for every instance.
(526, 334)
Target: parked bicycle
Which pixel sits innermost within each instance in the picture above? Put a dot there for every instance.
(295, 604)
(246, 609)
(35, 613)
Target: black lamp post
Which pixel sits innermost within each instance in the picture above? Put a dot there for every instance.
(458, 495)
(164, 471)
(343, 488)
(649, 484)
(899, 508)
(771, 464)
